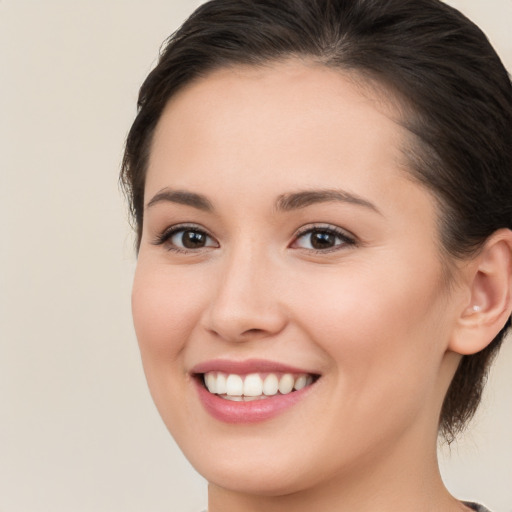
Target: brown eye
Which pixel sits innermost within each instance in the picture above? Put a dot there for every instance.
(322, 239)
(193, 239)
(187, 239)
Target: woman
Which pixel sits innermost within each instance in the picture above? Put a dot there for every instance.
(322, 196)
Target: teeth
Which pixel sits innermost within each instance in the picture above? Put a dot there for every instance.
(253, 386)
(221, 383)
(211, 382)
(270, 385)
(286, 384)
(243, 398)
(234, 385)
(300, 382)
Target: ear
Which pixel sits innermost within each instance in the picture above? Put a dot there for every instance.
(489, 279)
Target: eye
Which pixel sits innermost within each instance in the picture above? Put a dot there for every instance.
(323, 239)
(189, 239)
(186, 238)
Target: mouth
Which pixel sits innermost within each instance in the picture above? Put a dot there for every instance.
(254, 386)
(250, 391)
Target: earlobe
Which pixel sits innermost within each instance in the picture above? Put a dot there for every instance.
(490, 280)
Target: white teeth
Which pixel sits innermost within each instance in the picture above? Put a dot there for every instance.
(270, 385)
(251, 398)
(243, 398)
(210, 381)
(286, 383)
(221, 383)
(235, 398)
(253, 386)
(300, 382)
(234, 385)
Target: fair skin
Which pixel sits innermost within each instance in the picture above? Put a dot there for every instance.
(367, 314)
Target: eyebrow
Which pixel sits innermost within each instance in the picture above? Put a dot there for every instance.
(284, 203)
(297, 200)
(181, 197)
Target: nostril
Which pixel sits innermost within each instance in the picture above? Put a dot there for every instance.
(253, 331)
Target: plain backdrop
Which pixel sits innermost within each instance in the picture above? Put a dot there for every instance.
(78, 430)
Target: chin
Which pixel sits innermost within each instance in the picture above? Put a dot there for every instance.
(267, 480)
(260, 469)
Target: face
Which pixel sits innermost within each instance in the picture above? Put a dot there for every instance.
(284, 246)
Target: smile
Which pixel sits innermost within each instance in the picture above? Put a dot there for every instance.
(250, 391)
(254, 386)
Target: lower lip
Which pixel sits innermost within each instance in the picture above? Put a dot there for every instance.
(254, 411)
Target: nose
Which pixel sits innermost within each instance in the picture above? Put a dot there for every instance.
(245, 304)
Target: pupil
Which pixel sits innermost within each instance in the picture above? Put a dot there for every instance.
(193, 239)
(322, 240)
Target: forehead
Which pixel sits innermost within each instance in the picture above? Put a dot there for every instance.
(288, 90)
(263, 115)
(257, 133)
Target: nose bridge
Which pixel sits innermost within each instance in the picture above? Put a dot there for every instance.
(244, 305)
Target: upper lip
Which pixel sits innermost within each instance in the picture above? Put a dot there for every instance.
(246, 367)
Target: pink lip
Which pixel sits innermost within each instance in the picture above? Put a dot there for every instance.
(245, 367)
(246, 412)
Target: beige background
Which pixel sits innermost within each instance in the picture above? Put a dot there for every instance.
(78, 431)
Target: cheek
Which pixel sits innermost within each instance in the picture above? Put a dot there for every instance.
(382, 330)
(165, 308)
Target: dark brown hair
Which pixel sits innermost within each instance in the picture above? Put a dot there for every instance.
(457, 93)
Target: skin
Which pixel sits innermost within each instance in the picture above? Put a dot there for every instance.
(375, 318)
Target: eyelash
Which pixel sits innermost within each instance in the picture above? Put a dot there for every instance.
(345, 238)
(165, 237)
